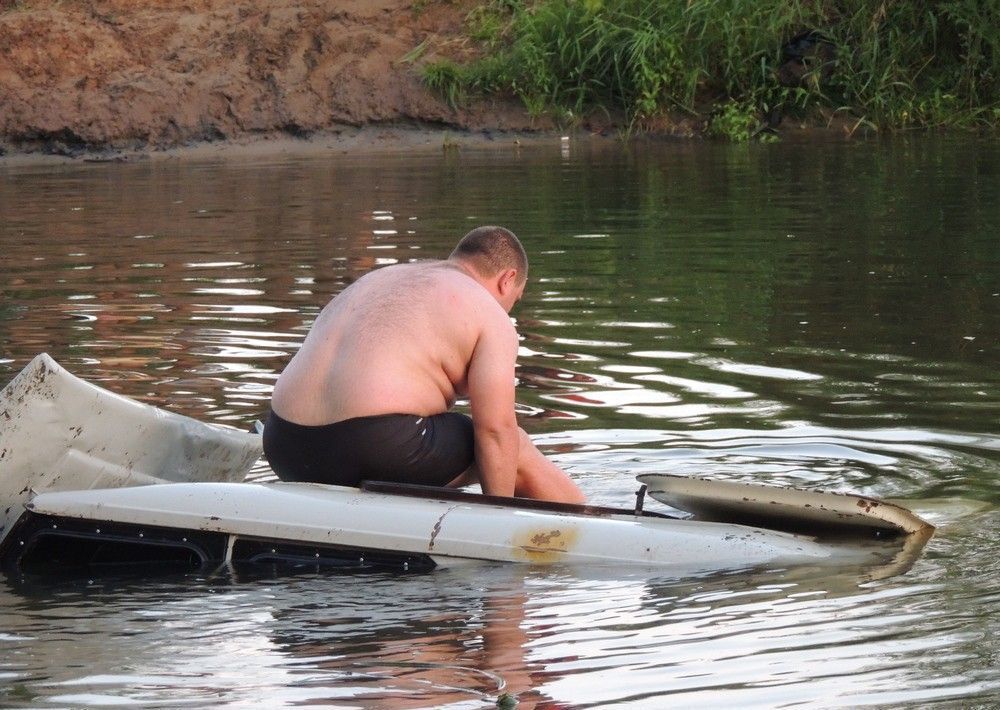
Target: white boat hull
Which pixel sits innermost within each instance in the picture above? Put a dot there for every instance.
(447, 531)
(87, 475)
(58, 432)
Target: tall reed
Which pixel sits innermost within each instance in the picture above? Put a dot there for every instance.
(736, 62)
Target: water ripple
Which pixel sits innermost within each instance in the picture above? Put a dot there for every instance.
(690, 311)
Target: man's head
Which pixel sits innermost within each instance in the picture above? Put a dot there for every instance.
(498, 259)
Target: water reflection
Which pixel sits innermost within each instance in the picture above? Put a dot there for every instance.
(457, 638)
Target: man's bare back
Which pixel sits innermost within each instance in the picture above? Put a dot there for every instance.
(398, 340)
(368, 393)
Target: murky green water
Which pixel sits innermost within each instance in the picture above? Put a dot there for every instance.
(822, 315)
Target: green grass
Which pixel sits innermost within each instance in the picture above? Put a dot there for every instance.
(448, 79)
(889, 65)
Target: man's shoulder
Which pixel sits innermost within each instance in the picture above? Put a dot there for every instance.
(445, 279)
(433, 272)
(439, 287)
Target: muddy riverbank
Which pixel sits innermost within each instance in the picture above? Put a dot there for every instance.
(86, 77)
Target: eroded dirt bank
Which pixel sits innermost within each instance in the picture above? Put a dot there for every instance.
(85, 75)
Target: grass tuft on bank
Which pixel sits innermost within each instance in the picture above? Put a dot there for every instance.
(740, 66)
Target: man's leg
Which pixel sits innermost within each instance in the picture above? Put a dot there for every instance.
(470, 475)
(537, 477)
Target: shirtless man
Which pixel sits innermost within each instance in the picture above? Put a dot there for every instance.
(367, 396)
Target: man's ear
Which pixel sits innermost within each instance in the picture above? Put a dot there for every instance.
(507, 281)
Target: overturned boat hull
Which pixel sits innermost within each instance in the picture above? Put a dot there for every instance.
(345, 526)
(89, 478)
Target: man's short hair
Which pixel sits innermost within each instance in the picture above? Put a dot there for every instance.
(491, 249)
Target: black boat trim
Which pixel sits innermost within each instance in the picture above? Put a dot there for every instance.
(47, 544)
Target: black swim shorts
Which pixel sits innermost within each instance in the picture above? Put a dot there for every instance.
(404, 448)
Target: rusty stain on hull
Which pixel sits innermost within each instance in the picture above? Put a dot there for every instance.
(867, 505)
(543, 546)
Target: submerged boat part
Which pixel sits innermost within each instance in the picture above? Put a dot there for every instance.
(89, 478)
(446, 532)
(58, 432)
(782, 508)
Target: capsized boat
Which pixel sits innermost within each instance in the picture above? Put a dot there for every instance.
(91, 479)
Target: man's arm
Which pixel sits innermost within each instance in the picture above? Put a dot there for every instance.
(491, 395)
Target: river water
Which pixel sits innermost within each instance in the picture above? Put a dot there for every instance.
(822, 315)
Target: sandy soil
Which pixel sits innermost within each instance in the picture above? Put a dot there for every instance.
(79, 76)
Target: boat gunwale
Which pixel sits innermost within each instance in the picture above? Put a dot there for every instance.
(451, 494)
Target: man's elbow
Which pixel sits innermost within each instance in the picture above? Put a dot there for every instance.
(495, 429)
